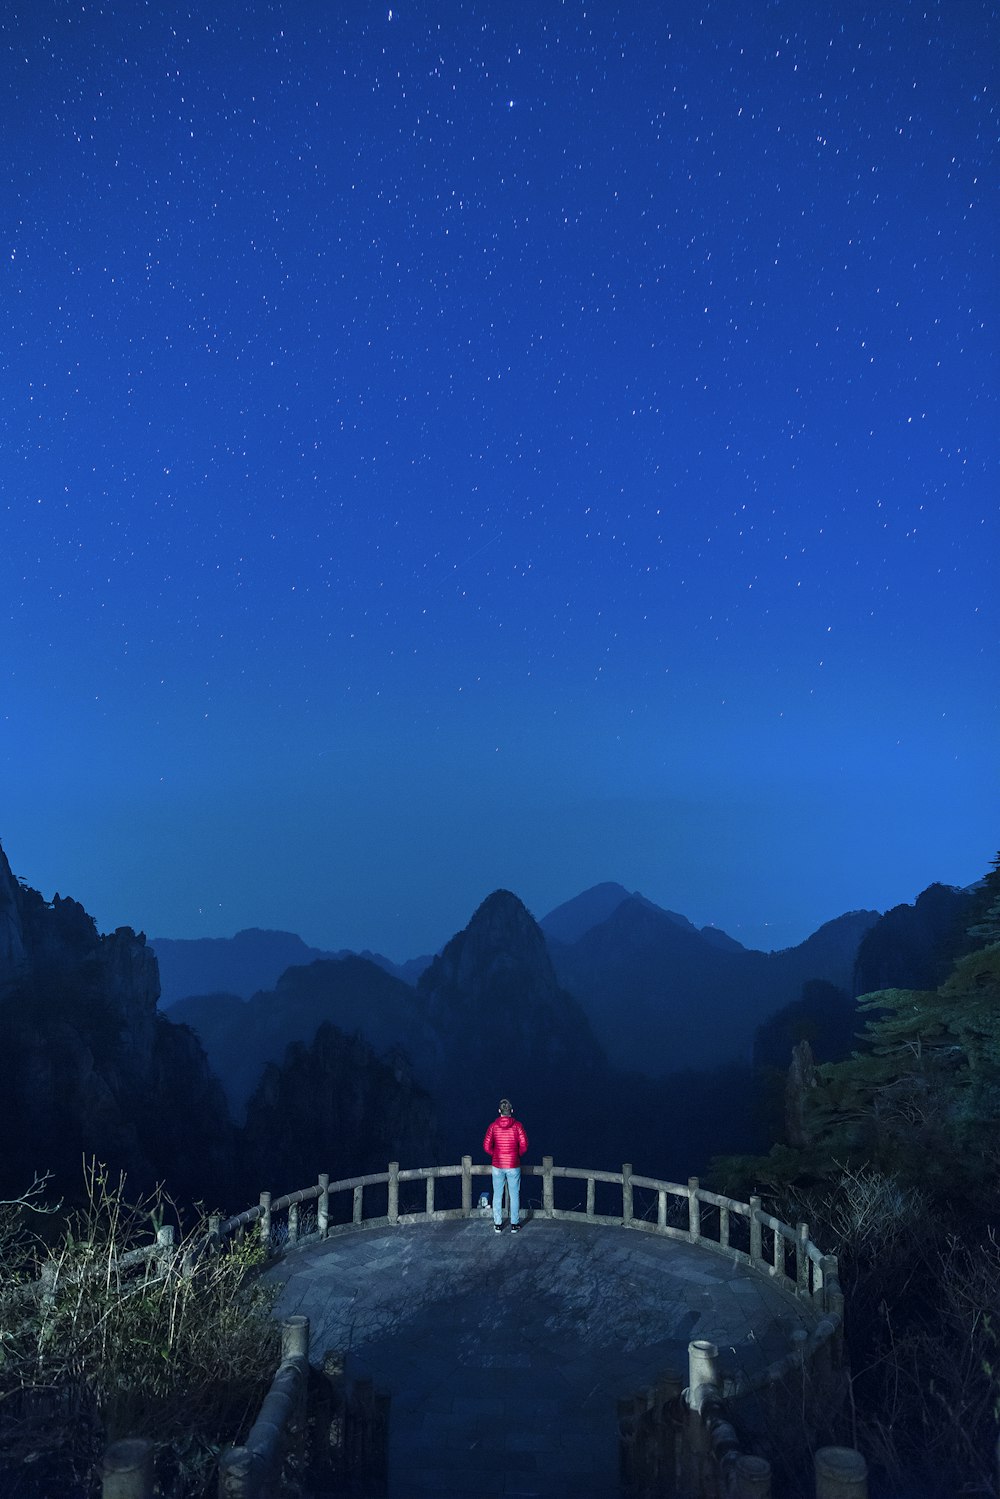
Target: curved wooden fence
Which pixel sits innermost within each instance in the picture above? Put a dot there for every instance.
(741, 1231)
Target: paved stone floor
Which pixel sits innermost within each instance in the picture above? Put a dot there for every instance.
(504, 1355)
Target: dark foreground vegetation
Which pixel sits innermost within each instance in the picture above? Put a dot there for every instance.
(892, 1155)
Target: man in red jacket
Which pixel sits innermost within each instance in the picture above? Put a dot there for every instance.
(505, 1144)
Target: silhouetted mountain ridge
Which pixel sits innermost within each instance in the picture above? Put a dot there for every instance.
(662, 995)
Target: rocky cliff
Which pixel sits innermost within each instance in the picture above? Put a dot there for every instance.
(90, 1067)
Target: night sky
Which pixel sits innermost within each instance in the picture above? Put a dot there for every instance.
(512, 444)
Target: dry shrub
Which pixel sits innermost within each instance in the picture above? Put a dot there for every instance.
(178, 1347)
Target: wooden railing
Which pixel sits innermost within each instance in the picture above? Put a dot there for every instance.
(741, 1231)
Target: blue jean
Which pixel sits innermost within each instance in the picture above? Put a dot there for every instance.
(512, 1176)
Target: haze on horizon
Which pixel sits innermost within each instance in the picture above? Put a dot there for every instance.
(524, 447)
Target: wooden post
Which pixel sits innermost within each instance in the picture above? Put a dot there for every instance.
(127, 1472)
(841, 1473)
(214, 1220)
(756, 1252)
(429, 1203)
(393, 1191)
(295, 1337)
(778, 1253)
(694, 1210)
(802, 1260)
(165, 1244)
(627, 1193)
(548, 1197)
(724, 1227)
(323, 1205)
(335, 1409)
(48, 1275)
(467, 1186)
(591, 1196)
(750, 1478)
(359, 1204)
(661, 1209)
(293, 1224)
(239, 1473)
(265, 1220)
(703, 1371)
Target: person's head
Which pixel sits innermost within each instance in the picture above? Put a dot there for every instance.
(506, 1108)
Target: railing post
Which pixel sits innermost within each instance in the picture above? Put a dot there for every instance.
(756, 1251)
(165, 1246)
(293, 1223)
(214, 1221)
(802, 1260)
(661, 1208)
(295, 1337)
(627, 1193)
(548, 1196)
(393, 1191)
(265, 1220)
(750, 1478)
(841, 1473)
(323, 1205)
(48, 1275)
(239, 1473)
(694, 1210)
(724, 1227)
(429, 1201)
(127, 1472)
(703, 1371)
(467, 1186)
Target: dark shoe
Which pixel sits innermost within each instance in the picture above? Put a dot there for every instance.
(515, 1228)
(498, 1228)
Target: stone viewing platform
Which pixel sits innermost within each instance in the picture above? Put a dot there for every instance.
(504, 1357)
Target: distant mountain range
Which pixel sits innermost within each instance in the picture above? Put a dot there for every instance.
(663, 995)
(658, 994)
(252, 960)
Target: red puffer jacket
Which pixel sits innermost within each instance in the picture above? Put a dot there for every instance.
(505, 1143)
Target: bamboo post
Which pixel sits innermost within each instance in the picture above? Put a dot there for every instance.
(627, 1193)
(694, 1210)
(323, 1205)
(394, 1191)
(467, 1186)
(265, 1220)
(841, 1473)
(127, 1471)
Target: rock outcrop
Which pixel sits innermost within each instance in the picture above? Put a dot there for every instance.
(90, 1067)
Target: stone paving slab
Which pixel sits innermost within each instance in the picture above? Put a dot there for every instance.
(504, 1355)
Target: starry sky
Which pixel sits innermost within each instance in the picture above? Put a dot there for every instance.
(453, 446)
